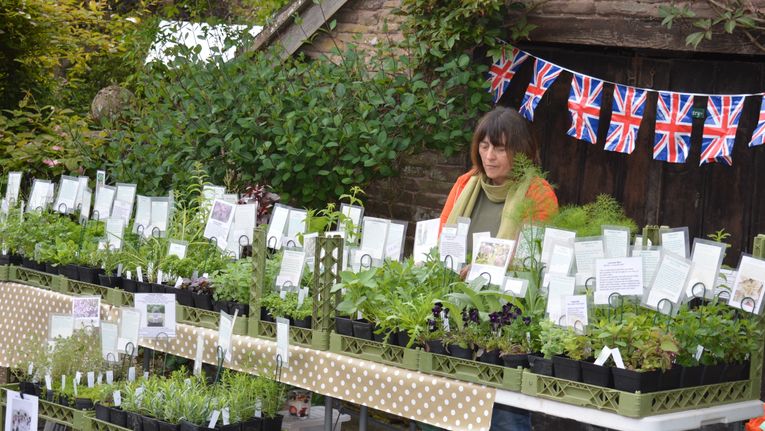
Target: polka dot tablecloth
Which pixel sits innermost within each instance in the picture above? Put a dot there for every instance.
(434, 400)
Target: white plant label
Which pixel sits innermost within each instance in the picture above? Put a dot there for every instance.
(213, 419)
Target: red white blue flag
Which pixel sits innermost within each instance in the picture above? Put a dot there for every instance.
(628, 106)
(502, 72)
(584, 106)
(723, 113)
(759, 133)
(545, 74)
(673, 127)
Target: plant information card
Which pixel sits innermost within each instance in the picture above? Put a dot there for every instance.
(669, 283)
(130, 323)
(374, 233)
(291, 269)
(219, 222)
(586, 252)
(157, 314)
(67, 195)
(707, 258)
(623, 276)
(559, 287)
(276, 226)
(12, 191)
(675, 241)
(748, 286)
(554, 236)
(491, 257)
(86, 311)
(425, 238)
(575, 311)
(616, 240)
(104, 200)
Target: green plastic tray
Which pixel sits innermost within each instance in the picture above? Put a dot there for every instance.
(471, 371)
(33, 278)
(207, 319)
(4, 270)
(108, 295)
(374, 351)
(310, 338)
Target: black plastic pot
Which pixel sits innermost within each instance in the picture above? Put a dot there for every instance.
(51, 268)
(28, 263)
(435, 346)
(64, 400)
(69, 271)
(402, 338)
(344, 326)
(230, 427)
(244, 309)
(134, 421)
(633, 381)
(118, 417)
(29, 388)
(362, 328)
(83, 404)
(252, 424)
(691, 376)
(379, 335)
(712, 374)
(149, 424)
(14, 259)
(460, 352)
(490, 357)
(735, 371)
(50, 396)
(167, 426)
(203, 301)
(745, 370)
(5, 259)
(515, 361)
(671, 378)
(597, 375)
(102, 412)
(88, 274)
(129, 285)
(265, 315)
(540, 365)
(273, 424)
(142, 287)
(184, 297)
(303, 323)
(157, 288)
(188, 426)
(567, 368)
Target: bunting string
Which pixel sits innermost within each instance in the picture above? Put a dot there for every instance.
(674, 111)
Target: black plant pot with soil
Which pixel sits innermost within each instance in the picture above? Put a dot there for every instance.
(273, 424)
(203, 301)
(188, 426)
(157, 288)
(118, 417)
(633, 381)
(540, 365)
(50, 396)
(712, 374)
(111, 281)
(457, 351)
(69, 271)
(380, 336)
(243, 309)
(362, 328)
(732, 372)
(670, 379)
(230, 427)
(344, 326)
(515, 361)
(5, 259)
(29, 388)
(597, 375)
(130, 285)
(134, 421)
(102, 412)
(142, 287)
(691, 376)
(436, 346)
(184, 297)
(490, 357)
(303, 323)
(83, 404)
(166, 426)
(14, 259)
(567, 368)
(87, 274)
(402, 338)
(51, 268)
(149, 424)
(252, 424)
(265, 315)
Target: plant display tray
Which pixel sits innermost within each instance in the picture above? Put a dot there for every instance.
(31, 277)
(310, 338)
(110, 296)
(207, 319)
(471, 371)
(67, 416)
(635, 405)
(4, 270)
(374, 351)
(93, 424)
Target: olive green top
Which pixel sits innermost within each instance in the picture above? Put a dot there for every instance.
(485, 217)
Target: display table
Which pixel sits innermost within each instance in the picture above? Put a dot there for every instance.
(685, 420)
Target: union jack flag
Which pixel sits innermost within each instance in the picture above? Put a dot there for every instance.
(673, 127)
(723, 113)
(544, 75)
(502, 72)
(584, 106)
(758, 137)
(628, 106)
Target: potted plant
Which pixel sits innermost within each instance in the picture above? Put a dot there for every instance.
(109, 259)
(357, 289)
(553, 344)
(232, 287)
(519, 335)
(654, 351)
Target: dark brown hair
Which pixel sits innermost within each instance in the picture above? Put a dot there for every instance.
(504, 127)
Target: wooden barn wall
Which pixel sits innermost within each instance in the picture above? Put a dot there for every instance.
(704, 198)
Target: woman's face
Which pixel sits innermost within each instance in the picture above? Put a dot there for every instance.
(496, 160)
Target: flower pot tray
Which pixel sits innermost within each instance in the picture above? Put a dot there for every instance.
(374, 351)
(471, 371)
(110, 296)
(311, 338)
(33, 278)
(4, 270)
(94, 424)
(636, 405)
(207, 319)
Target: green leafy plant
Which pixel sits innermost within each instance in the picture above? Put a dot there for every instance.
(233, 282)
(587, 220)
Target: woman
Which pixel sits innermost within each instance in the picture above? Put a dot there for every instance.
(502, 191)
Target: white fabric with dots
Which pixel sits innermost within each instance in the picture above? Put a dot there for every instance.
(438, 401)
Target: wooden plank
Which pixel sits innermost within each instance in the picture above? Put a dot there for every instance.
(643, 176)
(631, 33)
(282, 19)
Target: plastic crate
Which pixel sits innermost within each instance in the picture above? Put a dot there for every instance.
(471, 371)
(4, 269)
(207, 319)
(301, 336)
(33, 278)
(374, 351)
(108, 295)
(93, 424)
(636, 405)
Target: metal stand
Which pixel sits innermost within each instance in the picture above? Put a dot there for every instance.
(363, 416)
(328, 413)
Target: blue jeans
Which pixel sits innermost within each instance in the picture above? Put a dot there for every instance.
(503, 418)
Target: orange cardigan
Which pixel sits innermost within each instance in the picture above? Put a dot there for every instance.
(540, 191)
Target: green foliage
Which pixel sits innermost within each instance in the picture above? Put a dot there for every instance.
(587, 220)
(727, 16)
(288, 307)
(232, 283)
